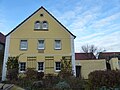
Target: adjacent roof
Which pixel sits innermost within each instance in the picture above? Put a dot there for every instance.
(2, 38)
(36, 12)
(105, 55)
(84, 56)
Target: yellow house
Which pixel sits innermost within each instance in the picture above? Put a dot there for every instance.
(43, 40)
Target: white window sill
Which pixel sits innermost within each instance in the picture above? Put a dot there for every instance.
(57, 48)
(23, 48)
(40, 70)
(22, 71)
(37, 28)
(41, 48)
(57, 70)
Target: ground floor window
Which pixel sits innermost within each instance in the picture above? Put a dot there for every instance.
(40, 66)
(22, 66)
(57, 66)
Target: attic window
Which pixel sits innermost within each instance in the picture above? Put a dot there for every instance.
(37, 25)
(41, 15)
(44, 25)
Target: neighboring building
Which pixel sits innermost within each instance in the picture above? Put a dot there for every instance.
(43, 41)
(2, 42)
(86, 63)
(107, 55)
(84, 56)
(2, 47)
(112, 59)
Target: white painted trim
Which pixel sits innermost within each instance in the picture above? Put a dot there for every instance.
(57, 48)
(43, 48)
(6, 54)
(55, 67)
(43, 67)
(73, 55)
(25, 67)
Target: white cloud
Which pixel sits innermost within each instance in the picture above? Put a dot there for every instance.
(93, 27)
(90, 29)
(91, 36)
(110, 42)
(106, 21)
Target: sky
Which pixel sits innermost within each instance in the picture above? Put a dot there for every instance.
(93, 22)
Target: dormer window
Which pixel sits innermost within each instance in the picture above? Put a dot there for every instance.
(44, 25)
(37, 25)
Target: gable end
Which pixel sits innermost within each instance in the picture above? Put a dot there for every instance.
(49, 14)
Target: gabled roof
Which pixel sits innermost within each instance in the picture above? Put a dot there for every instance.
(36, 12)
(84, 56)
(105, 55)
(2, 38)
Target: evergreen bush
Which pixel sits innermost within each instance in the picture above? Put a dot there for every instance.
(108, 78)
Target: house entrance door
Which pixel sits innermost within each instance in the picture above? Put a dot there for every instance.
(78, 71)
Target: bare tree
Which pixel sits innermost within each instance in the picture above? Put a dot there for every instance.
(92, 49)
(89, 48)
(85, 48)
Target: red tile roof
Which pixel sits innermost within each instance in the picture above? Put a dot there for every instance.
(2, 38)
(105, 55)
(84, 56)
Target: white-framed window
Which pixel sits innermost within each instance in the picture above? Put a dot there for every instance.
(44, 25)
(37, 25)
(22, 66)
(40, 66)
(57, 66)
(23, 44)
(57, 44)
(41, 44)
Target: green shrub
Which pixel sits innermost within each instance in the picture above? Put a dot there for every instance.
(62, 85)
(66, 69)
(104, 78)
(12, 68)
(12, 74)
(51, 80)
(76, 83)
(40, 75)
(31, 74)
(24, 82)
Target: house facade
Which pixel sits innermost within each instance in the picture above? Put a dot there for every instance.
(43, 41)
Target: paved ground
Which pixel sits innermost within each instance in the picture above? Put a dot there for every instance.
(6, 86)
(16, 88)
(9, 87)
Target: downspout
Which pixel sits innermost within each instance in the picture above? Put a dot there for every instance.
(73, 55)
(6, 54)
